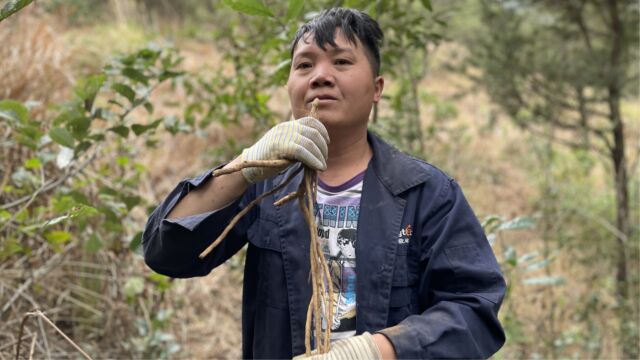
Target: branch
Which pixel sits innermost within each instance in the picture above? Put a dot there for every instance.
(600, 133)
(568, 143)
(39, 314)
(622, 237)
(603, 136)
(44, 269)
(577, 14)
(557, 99)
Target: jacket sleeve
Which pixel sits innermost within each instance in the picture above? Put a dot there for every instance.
(460, 288)
(171, 247)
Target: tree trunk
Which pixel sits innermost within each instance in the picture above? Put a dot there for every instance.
(627, 334)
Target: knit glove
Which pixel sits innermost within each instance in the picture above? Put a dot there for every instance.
(303, 140)
(360, 347)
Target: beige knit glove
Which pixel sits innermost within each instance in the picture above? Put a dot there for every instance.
(303, 140)
(360, 347)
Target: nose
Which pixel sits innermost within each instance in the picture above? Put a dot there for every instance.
(322, 76)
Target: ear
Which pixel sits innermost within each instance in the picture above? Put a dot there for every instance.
(379, 86)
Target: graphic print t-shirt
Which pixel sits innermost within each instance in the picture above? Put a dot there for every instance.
(337, 212)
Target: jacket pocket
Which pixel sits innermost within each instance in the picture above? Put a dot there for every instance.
(402, 299)
(272, 285)
(405, 271)
(264, 233)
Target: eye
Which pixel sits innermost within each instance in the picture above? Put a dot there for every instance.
(343, 62)
(303, 65)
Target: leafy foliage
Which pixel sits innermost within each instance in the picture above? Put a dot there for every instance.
(67, 196)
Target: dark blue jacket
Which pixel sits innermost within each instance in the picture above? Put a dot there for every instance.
(433, 289)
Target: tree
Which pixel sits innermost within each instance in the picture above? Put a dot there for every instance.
(564, 68)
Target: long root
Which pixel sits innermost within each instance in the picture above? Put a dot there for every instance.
(321, 303)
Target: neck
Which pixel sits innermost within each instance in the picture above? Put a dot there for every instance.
(349, 155)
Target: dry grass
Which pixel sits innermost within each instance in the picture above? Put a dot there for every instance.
(209, 322)
(35, 63)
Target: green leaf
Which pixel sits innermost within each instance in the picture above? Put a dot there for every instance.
(47, 223)
(120, 130)
(249, 7)
(136, 241)
(10, 247)
(544, 280)
(169, 75)
(427, 4)
(149, 107)
(33, 163)
(79, 127)
(82, 147)
(490, 223)
(22, 215)
(134, 286)
(510, 256)
(93, 245)
(123, 160)
(519, 223)
(537, 265)
(294, 9)
(135, 75)
(62, 137)
(79, 197)
(88, 88)
(161, 282)
(4, 215)
(148, 54)
(84, 211)
(528, 257)
(57, 237)
(14, 111)
(12, 7)
(124, 90)
(140, 128)
(131, 201)
(115, 102)
(62, 203)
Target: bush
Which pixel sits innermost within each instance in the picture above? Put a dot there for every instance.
(68, 223)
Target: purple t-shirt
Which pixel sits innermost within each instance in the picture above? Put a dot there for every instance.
(336, 214)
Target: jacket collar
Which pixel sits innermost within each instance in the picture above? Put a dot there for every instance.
(397, 171)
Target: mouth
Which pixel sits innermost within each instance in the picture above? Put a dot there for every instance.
(322, 98)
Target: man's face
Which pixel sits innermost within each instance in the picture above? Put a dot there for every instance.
(341, 77)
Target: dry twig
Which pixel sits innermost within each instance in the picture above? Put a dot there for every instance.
(39, 314)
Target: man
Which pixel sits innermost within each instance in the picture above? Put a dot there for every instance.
(422, 281)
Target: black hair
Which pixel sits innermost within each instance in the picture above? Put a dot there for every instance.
(349, 235)
(352, 23)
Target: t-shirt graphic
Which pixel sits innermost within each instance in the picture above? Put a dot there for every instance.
(337, 211)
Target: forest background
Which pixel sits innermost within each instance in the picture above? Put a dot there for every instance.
(532, 105)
